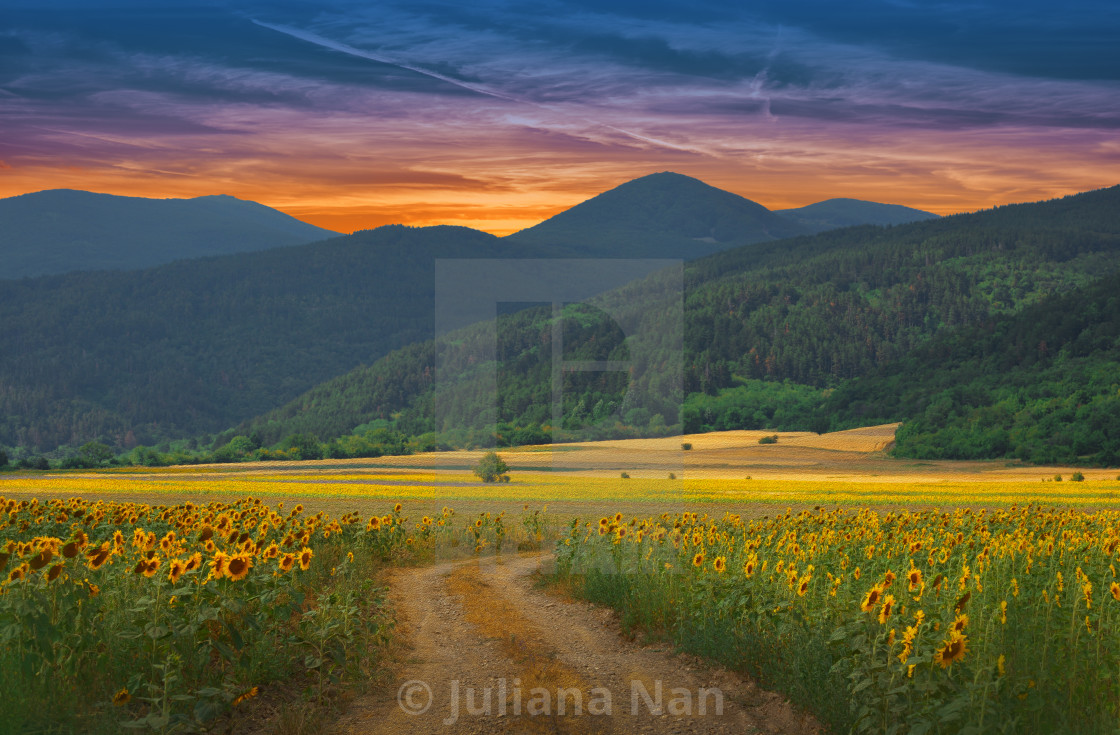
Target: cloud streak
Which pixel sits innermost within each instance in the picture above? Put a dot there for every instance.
(496, 115)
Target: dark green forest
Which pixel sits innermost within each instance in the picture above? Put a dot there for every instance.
(990, 334)
(197, 346)
(814, 333)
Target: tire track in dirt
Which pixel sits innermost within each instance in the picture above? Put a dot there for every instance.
(478, 629)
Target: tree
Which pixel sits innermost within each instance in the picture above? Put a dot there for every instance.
(491, 468)
(3, 458)
(307, 446)
(94, 454)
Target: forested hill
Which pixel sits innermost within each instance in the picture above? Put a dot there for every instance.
(1042, 385)
(62, 230)
(818, 311)
(199, 345)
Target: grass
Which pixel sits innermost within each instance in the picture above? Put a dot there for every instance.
(185, 664)
(985, 621)
(174, 618)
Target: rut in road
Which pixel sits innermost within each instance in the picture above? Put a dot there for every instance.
(491, 654)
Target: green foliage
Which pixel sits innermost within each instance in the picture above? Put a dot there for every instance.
(492, 468)
(201, 345)
(880, 623)
(3, 459)
(181, 651)
(753, 404)
(1041, 386)
(771, 439)
(849, 328)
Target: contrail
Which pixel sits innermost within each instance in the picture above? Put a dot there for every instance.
(361, 53)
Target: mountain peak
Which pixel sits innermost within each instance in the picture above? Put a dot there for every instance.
(62, 230)
(843, 212)
(662, 215)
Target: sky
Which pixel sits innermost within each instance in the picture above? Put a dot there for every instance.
(497, 115)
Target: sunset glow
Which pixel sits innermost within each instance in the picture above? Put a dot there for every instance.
(496, 117)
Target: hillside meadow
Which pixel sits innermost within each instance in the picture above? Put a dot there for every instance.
(207, 585)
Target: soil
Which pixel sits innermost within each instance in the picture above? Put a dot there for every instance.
(481, 625)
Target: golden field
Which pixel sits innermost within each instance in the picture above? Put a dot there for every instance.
(724, 471)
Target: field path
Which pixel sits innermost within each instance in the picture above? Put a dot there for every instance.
(480, 626)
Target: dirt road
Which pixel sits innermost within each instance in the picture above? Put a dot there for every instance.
(492, 654)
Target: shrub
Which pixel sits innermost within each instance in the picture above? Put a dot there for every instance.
(686, 446)
(772, 439)
(491, 468)
(1077, 477)
(625, 475)
(1057, 478)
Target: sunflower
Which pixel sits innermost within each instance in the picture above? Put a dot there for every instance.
(871, 599)
(121, 698)
(245, 695)
(885, 610)
(70, 550)
(238, 567)
(803, 585)
(914, 579)
(397, 508)
(720, 564)
(374, 524)
(960, 623)
(41, 559)
(98, 556)
(287, 561)
(1115, 590)
(176, 571)
(16, 574)
(305, 555)
(56, 570)
(951, 650)
(193, 563)
(271, 552)
(151, 567)
(218, 565)
(888, 579)
(748, 568)
(698, 559)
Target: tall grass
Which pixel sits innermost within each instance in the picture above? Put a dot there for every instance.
(929, 622)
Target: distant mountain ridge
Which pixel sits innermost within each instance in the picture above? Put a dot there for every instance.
(772, 329)
(835, 213)
(662, 215)
(64, 230)
(201, 345)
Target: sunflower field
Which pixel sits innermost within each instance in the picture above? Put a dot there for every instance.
(969, 621)
(118, 615)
